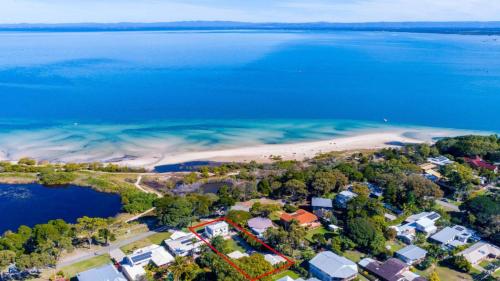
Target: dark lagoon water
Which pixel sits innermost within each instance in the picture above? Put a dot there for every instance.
(73, 96)
(30, 204)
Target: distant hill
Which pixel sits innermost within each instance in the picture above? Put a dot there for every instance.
(434, 27)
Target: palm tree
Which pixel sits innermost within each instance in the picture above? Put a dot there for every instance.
(178, 267)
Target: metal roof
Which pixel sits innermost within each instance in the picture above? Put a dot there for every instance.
(321, 202)
(334, 265)
(412, 252)
(104, 273)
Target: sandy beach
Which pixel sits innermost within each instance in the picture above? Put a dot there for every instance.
(160, 150)
(299, 151)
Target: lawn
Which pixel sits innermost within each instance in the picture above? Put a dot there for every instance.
(286, 273)
(156, 238)
(395, 245)
(353, 255)
(75, 268)
(445, 273)
(234, 246)
(320, 230)
(484, 263)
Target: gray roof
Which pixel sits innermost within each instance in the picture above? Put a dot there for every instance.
(104, 273)
(321, 202)
(260, 223)
(412, 252)
(334, 265)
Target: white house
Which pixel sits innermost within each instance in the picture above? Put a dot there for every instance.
(184, 245)
(327, 266)
(423, 222)
(133, 265)
(274, 259)
(440, 160)
(220, 228)
(480, 251)
(411, 254)
(453, 236)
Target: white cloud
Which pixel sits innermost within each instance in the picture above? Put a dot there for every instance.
(14, 11)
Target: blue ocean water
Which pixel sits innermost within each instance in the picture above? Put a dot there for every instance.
(217, 88)
(31, 204)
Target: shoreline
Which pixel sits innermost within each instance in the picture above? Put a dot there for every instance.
(301, 150)
(165, 152)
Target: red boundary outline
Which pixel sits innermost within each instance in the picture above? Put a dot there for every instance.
(289, 262)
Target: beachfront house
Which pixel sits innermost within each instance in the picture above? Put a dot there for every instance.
(303, 217)
(327, 266)
(480, 251)
(390, 270)
(411, 254)
(452, 237)
(220, 228)
(321, 206)
(344, 197)
(106, 272)
(423, 222)
(133, 265)
(259, 225)
(184, 244)
(440, 160)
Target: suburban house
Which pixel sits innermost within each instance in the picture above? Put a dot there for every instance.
(303, 217)
(106, 272)
(480, 251)
(479, 163)
(274, 259)
(430, 172)
(440, 160)
(390, 270)
(453, 236)
(220, 228)
(375, 190)
(133, 265)
(184, 245)
(423, 222)
(344, 197)
(236, 255)
(259, 225)
(327, 266)
(321, 206)
(411, 254)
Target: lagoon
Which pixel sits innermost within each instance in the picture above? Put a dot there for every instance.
(30, 204)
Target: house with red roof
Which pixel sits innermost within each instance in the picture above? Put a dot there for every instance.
(479, 163)
(303, 217)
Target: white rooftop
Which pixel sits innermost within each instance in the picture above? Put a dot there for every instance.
(184, 244)
(453, 236)
(217, 225)
(274, 259)
(334, 265)
(237, 255)
(479, 251)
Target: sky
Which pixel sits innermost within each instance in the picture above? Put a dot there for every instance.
(108, 11)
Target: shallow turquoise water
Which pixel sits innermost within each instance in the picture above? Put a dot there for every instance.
(213, 89)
